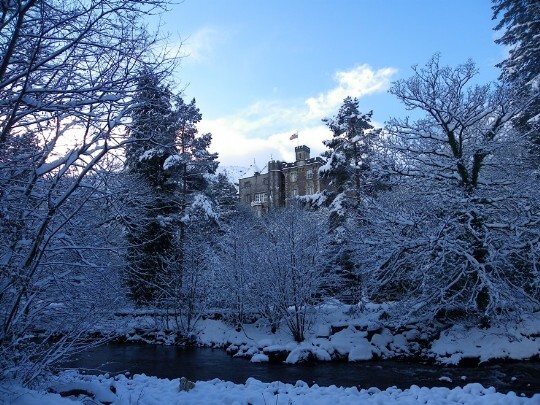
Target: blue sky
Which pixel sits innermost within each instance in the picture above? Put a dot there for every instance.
(262, 70)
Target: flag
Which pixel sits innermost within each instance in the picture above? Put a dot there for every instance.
(294, 136)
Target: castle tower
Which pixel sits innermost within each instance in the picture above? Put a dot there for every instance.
(302, 153)
(276, 186)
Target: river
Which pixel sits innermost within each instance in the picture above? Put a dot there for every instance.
(206, 364)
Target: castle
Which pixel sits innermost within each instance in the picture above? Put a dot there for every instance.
(283, 182)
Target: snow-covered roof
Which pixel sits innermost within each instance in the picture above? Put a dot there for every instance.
(252, 169)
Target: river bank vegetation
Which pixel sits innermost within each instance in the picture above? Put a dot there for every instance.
(116, 222)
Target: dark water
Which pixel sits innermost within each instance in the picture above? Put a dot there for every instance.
(206, 364)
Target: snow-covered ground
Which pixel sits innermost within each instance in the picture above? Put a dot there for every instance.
(144, 390)
(340, 333)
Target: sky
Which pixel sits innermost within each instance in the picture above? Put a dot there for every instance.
(262, 70)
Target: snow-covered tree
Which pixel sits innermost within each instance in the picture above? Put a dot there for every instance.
(349, 166)
(238, 255)
(350, 153)
(291, 267)
(273, 267)
(153, 129)
(67, 77)
(520, 22)
(188, 217)
(153, 206)
(457, 231)
(212, 215)
(192, 164)
(169, 220)
(225, 196)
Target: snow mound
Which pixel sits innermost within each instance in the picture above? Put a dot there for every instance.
(361, 353)
(497, 342)
(260, 358)
(304, 354)
(146, 390)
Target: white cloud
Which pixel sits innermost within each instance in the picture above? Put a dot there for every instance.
(199, 45)
(237, 148)
(262, 130)
(357, 82)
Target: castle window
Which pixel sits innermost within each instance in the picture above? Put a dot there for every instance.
(293, 177)
(309, 174)
(261, 198)
(247, 198)
(310, 190)
(294, 192)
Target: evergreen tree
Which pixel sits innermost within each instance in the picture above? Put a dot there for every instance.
(170, 208)
(225, 195)
(192, 164)
(349, 166)
(152, 201)
(520, 20)
(350, 152)
(188, 275)
(152, 131)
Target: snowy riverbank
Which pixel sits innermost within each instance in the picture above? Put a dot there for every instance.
(338, 332)
(144, 390)
(341, 333)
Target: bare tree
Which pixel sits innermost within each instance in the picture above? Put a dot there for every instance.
(273, 267)
(235, 255)
(289, 274)
(67, 75)
(458, 229)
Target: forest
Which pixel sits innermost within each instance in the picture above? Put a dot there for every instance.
(110, 199)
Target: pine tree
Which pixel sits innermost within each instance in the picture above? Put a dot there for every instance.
(152, 130)
(225, 195)
(349, 166)
(191, 164)
(152, 202)
(520, 20)
(195, 219)
(350, 152)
